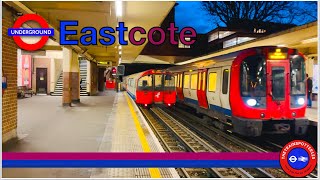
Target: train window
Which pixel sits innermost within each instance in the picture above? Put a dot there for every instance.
(225, 81)
(145, 83)
(186, 82)
(169, 82)
(212, 82)
(175, 81)
(297, 69)
(253, 76)
(199, 81)
(180, 81)
(194, 78)
(203, 81)
(278, 83)
(158, 82)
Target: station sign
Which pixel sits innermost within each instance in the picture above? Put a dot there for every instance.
(277, 54)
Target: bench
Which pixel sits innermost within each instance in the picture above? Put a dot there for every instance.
(23, 90)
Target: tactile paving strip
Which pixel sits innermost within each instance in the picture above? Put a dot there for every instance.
(121, 136)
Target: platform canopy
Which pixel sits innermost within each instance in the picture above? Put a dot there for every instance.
(146, 14)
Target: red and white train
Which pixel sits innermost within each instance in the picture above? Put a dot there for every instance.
(255, 90)
(151, 87)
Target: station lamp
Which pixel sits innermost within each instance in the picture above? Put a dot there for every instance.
(119, 8)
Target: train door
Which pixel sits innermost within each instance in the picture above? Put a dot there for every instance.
(190, 87)
(224, 93)
(158, 88)
(179, 86)
(278, 78)
(201, 92)
(193, 87)
(213, 87)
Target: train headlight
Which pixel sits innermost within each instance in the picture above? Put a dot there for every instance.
(251, 102)
(301, 101)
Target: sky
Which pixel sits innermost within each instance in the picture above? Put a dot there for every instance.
(190, 13)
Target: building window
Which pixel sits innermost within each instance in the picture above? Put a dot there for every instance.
(223, 34)
(225, 81)
(244, 39)
(194, 78)
(212, 82)
(230, 42)
(213, 36)
(186, 81)
(182, 45)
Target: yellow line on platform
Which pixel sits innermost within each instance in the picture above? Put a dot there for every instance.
(154, 172)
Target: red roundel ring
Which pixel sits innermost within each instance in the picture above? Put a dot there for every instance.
(30, 17)
(298, 158)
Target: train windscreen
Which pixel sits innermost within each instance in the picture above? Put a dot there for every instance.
(169, 82)
(145, 83)
(297, 66)
(253, 77)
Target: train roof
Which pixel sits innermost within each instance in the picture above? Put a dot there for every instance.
(210, 62)
(150, 71)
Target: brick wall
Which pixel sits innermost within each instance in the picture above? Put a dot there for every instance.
(9, 69)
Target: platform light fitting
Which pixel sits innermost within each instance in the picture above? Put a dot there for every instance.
(309, 40)
(120, 52)
(120, 47)
(119, 8)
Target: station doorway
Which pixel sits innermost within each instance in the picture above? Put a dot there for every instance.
(41, 82)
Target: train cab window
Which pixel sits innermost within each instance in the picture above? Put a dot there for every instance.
(186, 82)
(297, 66)
(225, 81)
(194, 78)
(212, 82)
(169, 82)
(158, 82)
(145, 83)
(253, 77)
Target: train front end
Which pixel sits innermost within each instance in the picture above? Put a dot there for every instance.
(268, 92)
(169, 91)
(164, 88)
(144, 91)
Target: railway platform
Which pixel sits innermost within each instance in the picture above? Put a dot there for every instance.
(110, 122)
(312, 114)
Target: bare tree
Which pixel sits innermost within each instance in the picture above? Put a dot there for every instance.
(234, 13)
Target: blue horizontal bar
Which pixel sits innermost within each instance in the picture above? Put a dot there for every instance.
(140, 164)
(30, 32)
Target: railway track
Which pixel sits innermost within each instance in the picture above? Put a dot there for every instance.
(230, 142)
(175, 137)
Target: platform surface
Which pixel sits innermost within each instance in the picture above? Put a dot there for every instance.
(98, 124)
(313, 113)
